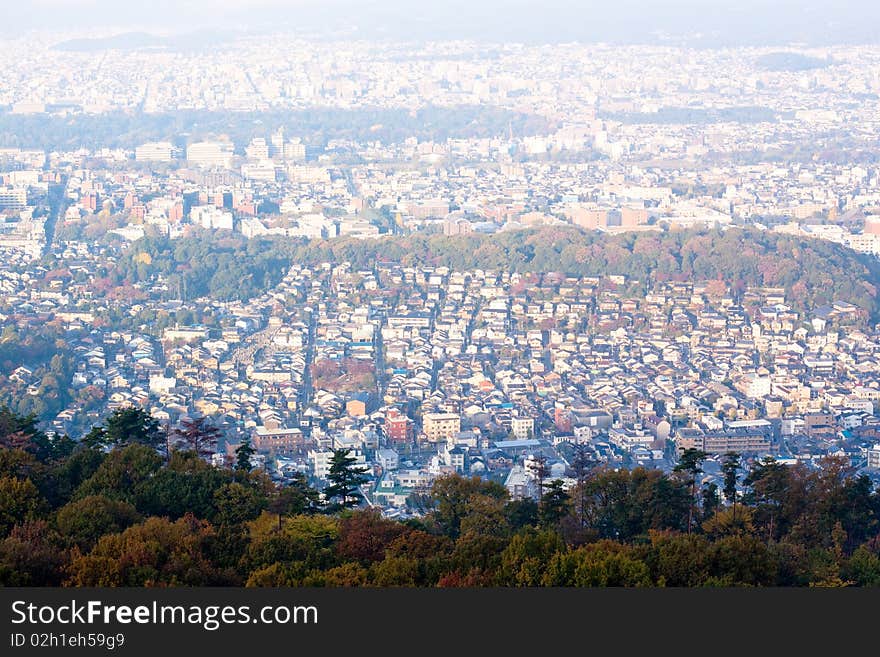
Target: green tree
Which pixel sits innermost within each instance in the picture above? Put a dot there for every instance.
(127, 426)
(521, 513)
(768, 484)
(582, 465)
(122, 473)
(730, 466)
(84, 521)
(689, 466)
(346, 478)
(711, 501)
(243, 454)
(237, 503)
(525, 559)
(294, 498)
(554, 503)
(453, 493)
(19, 501)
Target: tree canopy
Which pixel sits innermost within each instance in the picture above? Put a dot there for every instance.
(124, 515)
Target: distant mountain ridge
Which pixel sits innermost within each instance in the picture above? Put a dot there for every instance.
(145, 40)
(791, 62)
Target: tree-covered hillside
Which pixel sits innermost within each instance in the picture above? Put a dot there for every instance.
(116, 510)
(813, 272)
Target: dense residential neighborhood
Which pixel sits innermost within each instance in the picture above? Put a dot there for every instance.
(424, 370)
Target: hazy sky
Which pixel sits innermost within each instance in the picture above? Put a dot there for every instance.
(723, 22)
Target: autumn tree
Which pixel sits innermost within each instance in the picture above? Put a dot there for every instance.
(19, 501)
(452, 495)
(364, 536)
(198, 435)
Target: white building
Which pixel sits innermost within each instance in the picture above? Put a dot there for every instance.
(208, 216)
(157, 151)
(210, 154)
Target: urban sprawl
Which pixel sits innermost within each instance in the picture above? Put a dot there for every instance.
(426, 370)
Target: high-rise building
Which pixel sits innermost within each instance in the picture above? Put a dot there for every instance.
(441, 426)
(258, 149)
(587, 218)
(89, 201)
(13, 198)
(210, 154)
(522, 428)
(398, 427)
(295, 150)
(632, 217)
(872, 224)
(277, 142)
(159, 151)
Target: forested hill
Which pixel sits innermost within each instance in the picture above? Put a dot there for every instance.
(814, 272)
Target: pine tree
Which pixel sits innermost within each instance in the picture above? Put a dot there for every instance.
(295, 498)
(582, 465)
(539, 471)
(689, 464)
(554, 503)
(243, 454)
(132, 425)
(345, 478)
(730, 467)
(711, 500)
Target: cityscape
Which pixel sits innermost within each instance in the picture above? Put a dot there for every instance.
(503, 264)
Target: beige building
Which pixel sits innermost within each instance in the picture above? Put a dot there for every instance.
(440, 427)
(722, 442)
(522, 428)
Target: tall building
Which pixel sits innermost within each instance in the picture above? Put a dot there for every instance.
(208, 216)
(439, 427)
(457, 226)
(522, 428)
(280, 441)
(294, 150)
(13, 198)
(277, 142)
(872, 224)
(258, 149)
(89, 201)
(562, 419)
(398, 427)
(632, 217)
(587, 218)
(159, 151)
(210, 154)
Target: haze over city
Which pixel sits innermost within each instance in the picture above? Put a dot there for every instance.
(455, 294)
(707, 23)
